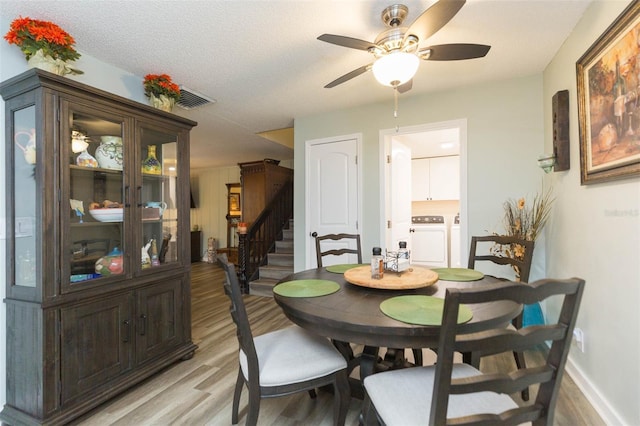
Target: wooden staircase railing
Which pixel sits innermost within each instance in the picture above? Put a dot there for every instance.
(261, 236)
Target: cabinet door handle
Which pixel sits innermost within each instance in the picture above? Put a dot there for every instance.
(139, 190)
(127, 330)
(127, 196)
(143, 324)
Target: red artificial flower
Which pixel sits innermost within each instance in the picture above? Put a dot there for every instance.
(161, 84)
(32, 35)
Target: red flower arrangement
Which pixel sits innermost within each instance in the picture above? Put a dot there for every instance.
(161, 84)
(32, 35)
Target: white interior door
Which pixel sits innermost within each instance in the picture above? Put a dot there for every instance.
(399, 210)
(411, 132)
(332, 193)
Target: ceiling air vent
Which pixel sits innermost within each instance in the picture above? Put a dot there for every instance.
(190, 99)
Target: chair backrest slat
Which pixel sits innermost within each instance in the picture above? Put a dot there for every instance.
(507, 383)
(496, 339)
(502, 340)
(337, 252)
(523, 263)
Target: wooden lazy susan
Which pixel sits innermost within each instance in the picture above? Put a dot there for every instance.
(414, 277)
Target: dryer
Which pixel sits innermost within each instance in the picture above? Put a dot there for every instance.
(455, 257)
(429, 241)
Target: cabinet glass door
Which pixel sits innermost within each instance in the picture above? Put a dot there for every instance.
(158, 198)
(97, 207)
(26, 201)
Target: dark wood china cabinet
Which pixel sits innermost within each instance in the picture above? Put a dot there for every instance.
(97, 245)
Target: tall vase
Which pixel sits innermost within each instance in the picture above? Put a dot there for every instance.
(151, 165)
(531, 314)
(110, 153)
(162, 102)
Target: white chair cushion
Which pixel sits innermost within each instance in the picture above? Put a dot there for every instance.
(293, 355)
(403, 397)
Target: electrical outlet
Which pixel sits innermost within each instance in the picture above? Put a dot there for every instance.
(578, 338)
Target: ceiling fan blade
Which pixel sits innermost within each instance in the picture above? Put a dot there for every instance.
(353, 43)
(406, 86)
(433, 19)
(348, 76)
(455, 51)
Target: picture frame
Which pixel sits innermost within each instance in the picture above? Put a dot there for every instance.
(608, 77)
(234, 204)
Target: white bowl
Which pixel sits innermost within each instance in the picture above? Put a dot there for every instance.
(107, 215)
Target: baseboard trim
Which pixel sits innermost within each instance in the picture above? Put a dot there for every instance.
(600, 404)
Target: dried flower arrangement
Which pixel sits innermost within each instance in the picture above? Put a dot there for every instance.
(524, 221)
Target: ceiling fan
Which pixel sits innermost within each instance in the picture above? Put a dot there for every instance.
(397, 50)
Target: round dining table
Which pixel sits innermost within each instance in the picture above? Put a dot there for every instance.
(352, 314)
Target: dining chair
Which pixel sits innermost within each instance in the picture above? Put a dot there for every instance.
(487, 248)
(282, 362)
(337, 252)
(446, 393)
(522, 265)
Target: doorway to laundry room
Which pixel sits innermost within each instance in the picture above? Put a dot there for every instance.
(425, 192)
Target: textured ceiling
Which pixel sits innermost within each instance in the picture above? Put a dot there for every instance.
(261, 62)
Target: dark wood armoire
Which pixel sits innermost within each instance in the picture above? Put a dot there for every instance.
(261, 181)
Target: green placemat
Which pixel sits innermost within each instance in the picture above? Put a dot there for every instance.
(420, 310)
(458, 274)
(340, 269)
(306, 288)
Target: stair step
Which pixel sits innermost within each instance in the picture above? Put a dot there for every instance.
(262, 287)
(275, 272)
(280, 259)
(285, 246)
(279, 265)
(287, 234)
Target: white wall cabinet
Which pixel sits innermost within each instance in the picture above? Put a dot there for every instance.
(436, 178)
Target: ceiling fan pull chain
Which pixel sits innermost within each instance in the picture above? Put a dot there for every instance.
(395, 106)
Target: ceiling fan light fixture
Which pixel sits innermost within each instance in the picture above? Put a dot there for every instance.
(396, 68)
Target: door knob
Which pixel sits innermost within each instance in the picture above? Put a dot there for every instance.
(314, 234)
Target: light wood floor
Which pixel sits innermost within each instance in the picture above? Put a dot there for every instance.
(199, 391)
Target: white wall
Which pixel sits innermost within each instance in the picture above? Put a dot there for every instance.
(504, 138)
(210, 192)
(594, 233)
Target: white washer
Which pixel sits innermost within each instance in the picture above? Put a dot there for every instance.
(455, 254)
(429, 241)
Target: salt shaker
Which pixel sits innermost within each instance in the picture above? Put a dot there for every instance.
(377, 264)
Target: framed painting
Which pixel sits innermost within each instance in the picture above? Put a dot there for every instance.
(609, 102)
(234, 204)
